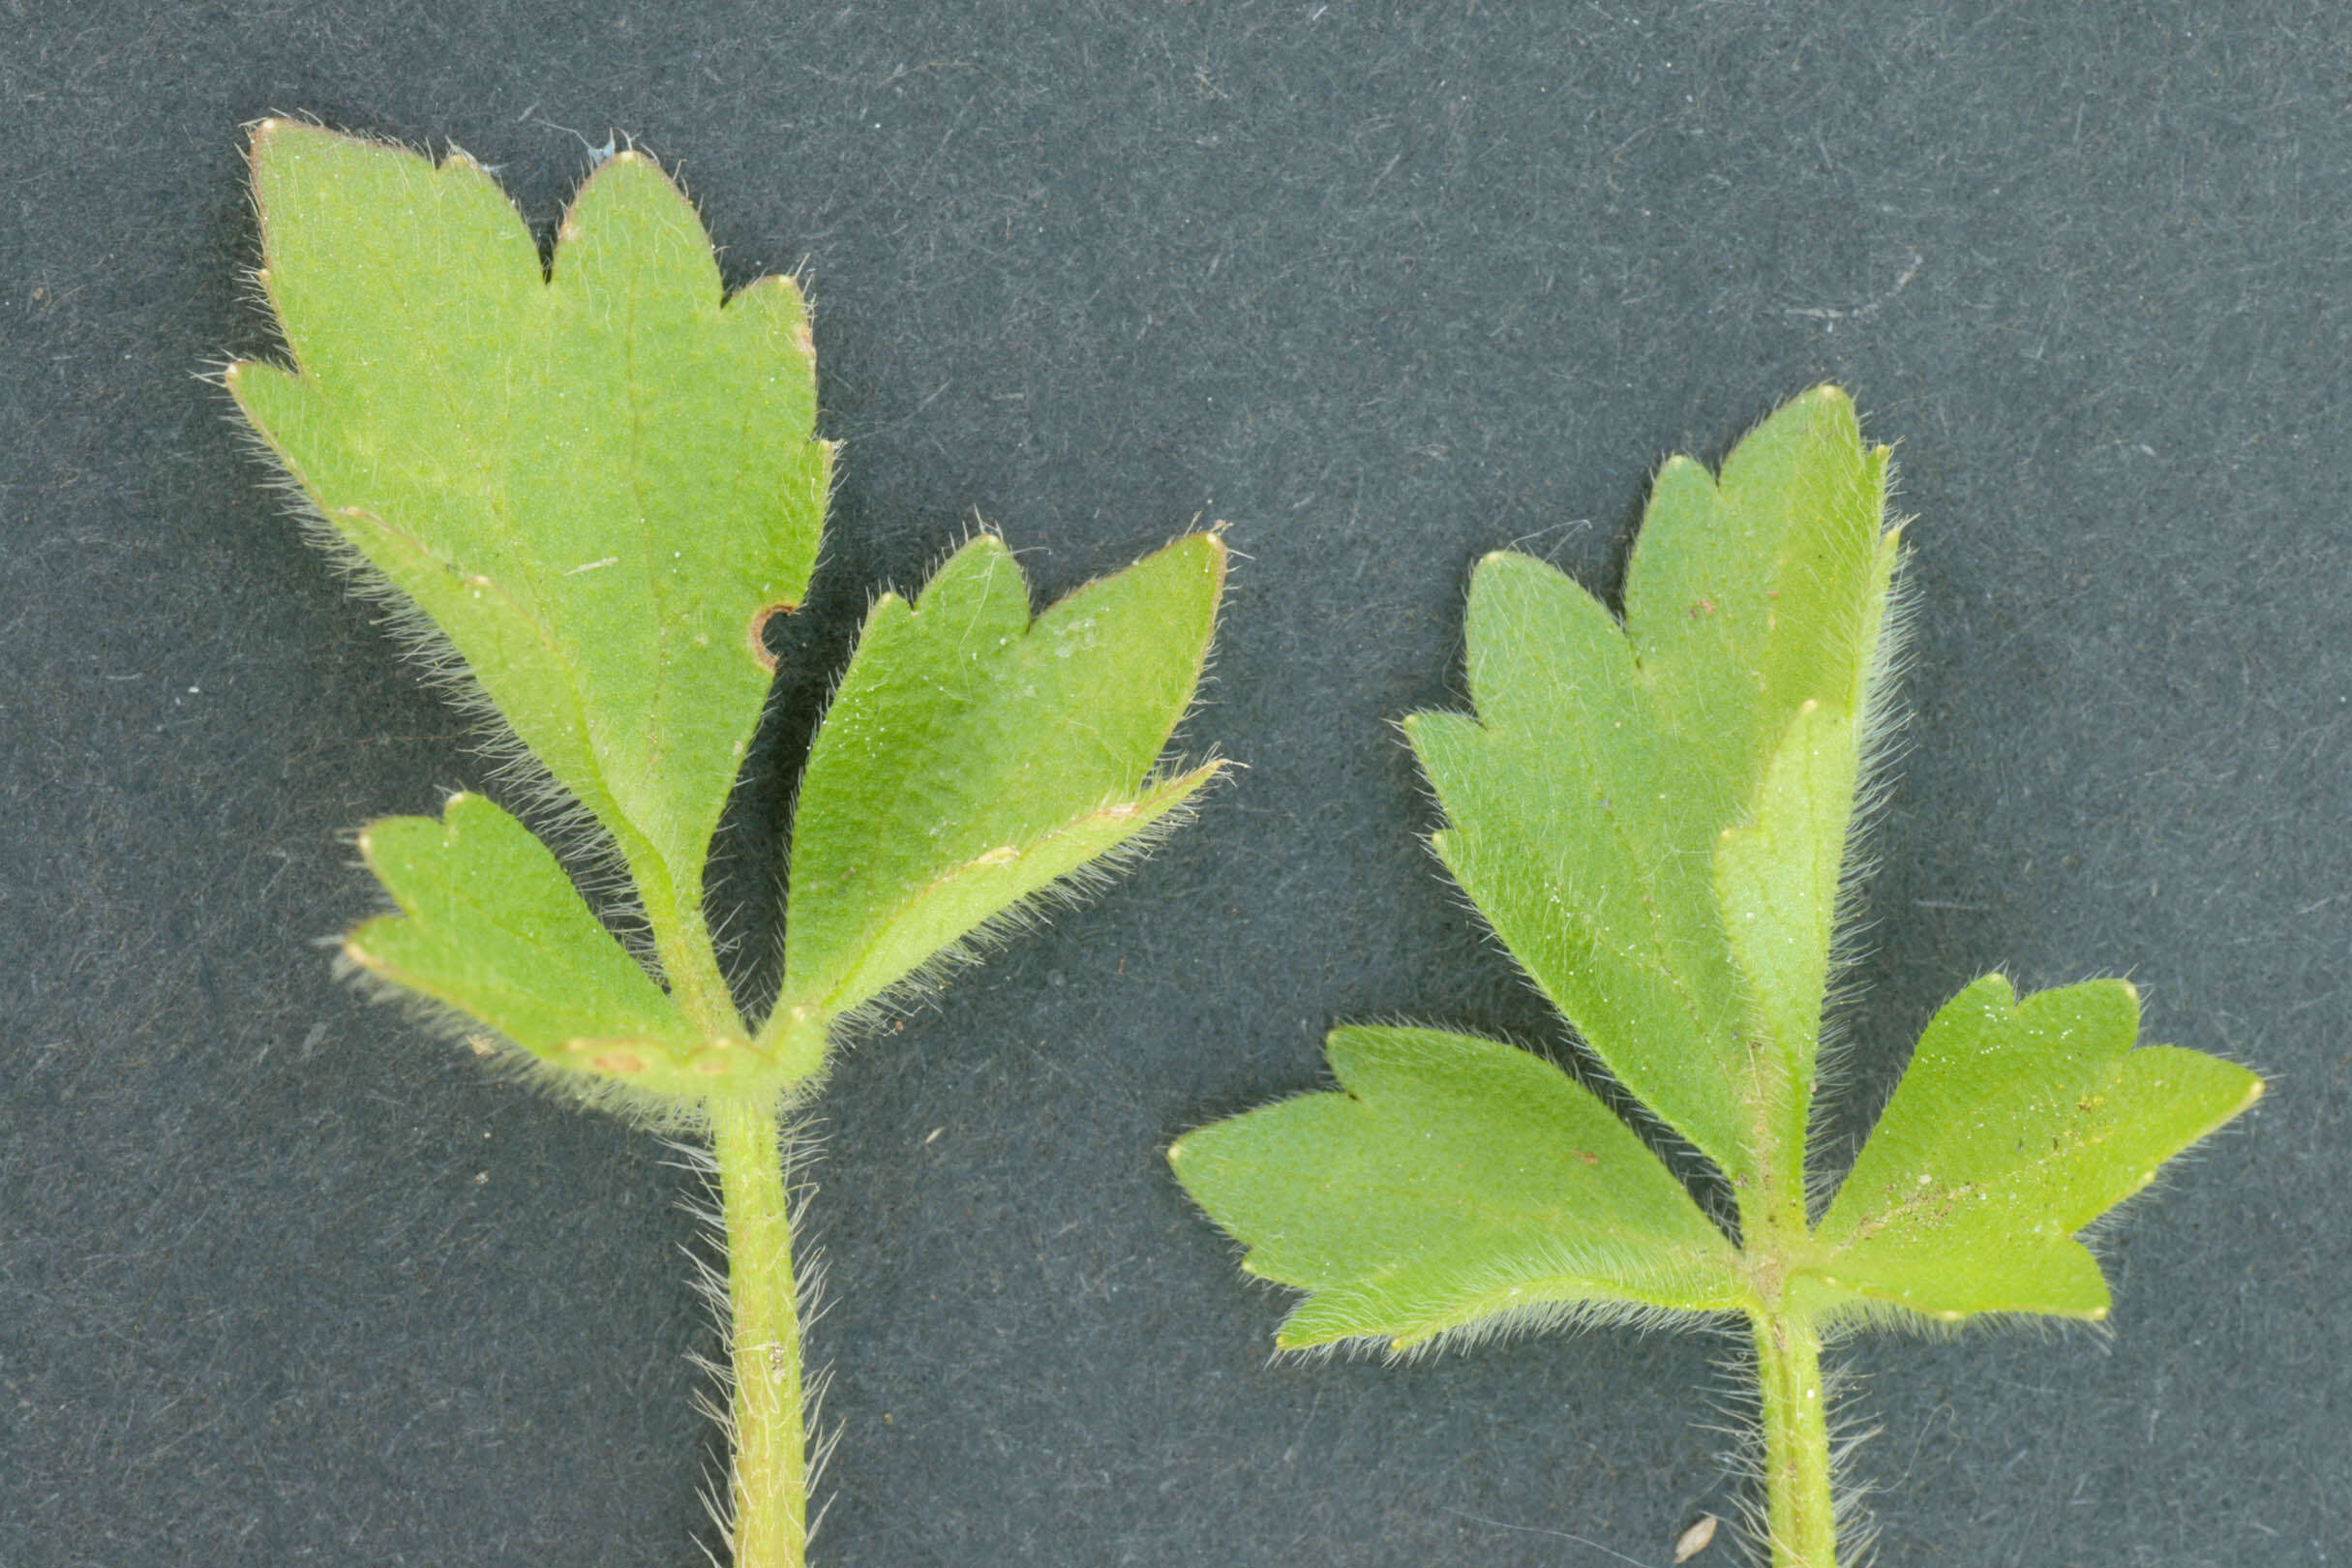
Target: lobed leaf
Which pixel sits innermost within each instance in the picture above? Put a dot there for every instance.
(2016, 1125)
(1457, 1183)
(1609, 768)
(1654, 818)
(489, 924)
(972, 758)
(595, 482)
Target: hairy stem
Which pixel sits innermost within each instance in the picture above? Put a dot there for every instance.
(769, 1489)
(1803, 1530)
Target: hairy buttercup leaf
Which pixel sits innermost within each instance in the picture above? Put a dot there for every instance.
(491, 926)
(972, 758)
(1457, 1181)
(582, 489)
(2015, 1125)
(595, 479)
(1655, 816)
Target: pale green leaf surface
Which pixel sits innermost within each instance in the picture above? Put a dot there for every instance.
(595, 484)
(1777, 881)
(972, 758)
(2016, 1125)
(490, 926)
(1454, 1181)
(1586, 801)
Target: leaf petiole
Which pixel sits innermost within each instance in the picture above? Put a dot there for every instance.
(1801, 1522)
(769, 1485)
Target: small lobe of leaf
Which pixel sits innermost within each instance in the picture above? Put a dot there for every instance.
(2015, 1125)
(491, 926)
(1456, 1181)
(972, 758)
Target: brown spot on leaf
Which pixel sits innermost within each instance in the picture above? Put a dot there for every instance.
(758, 631)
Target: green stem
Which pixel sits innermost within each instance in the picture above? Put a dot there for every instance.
(1796, 1441)
(769, 1485)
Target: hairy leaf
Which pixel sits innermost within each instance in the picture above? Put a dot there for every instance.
(583, 491)
(1587, 801)
(1456, 1182)
(972, 758)
(596, 480)
(583, 487)
(1654, 815)
(2015, 1125)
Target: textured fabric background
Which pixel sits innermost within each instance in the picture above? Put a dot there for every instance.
(284, 1281)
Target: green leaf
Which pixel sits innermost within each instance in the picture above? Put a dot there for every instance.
(581, 491)
(596, 484)
(972, 758)
(1585, 802)
(1654, 817)
(491, 926)
(1458, 1181)
(2015, 1125)
(584, 488)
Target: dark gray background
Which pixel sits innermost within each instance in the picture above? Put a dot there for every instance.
(282, 1281)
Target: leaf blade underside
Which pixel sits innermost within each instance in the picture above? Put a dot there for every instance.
(2016, 1124)
(1452, 1182)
